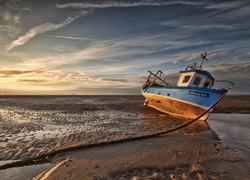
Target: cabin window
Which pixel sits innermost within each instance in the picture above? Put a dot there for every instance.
(197, 81)
(186, 79)
(206, 85)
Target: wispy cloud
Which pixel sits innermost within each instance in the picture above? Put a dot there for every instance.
(7, 28)
(42, 77)
(225, 5)
(99, 50)
(110, 4)
(9, 73)
(223, 15)
(231, 12)
(74, 38)
(108, 83)
(9, 17)
(216, 54)
(247, 55)
(32, 81)
(116, 80)
(18, 5)
(110, 54)
(238, 71)
(200, 24)
(192, 58)
(57, 79)
(39, 30)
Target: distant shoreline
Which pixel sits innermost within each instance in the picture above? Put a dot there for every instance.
(233, 104)
(229, 104)
(23, 96)
(234, 97)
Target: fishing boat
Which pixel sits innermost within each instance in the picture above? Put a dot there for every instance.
(193, 96)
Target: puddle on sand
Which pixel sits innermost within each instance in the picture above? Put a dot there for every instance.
(24, 172)
(232, 128)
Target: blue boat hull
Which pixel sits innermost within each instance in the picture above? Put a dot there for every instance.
(189, 102)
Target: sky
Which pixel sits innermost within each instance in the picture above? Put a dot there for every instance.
(62, 47)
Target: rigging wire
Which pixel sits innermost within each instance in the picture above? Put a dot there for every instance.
(170, 68)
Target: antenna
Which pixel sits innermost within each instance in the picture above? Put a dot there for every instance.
(204, 57)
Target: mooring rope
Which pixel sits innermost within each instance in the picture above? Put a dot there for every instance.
(192, 121)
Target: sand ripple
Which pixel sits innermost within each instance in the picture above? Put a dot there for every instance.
(31, 127)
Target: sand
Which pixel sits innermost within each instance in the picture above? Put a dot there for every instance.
(194, 152)
(31, 128)
(198, 154)
(168, 157)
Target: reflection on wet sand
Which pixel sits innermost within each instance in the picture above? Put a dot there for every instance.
(156, 119)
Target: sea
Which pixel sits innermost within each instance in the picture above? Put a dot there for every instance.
(34, 128)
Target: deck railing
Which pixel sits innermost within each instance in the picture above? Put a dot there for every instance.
(223, 81)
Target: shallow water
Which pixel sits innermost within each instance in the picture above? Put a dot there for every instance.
(35, 126)
(231, 128)
(24, 172)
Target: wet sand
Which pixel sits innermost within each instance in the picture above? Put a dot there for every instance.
(169, 157)
(191, 156)
(194, 152)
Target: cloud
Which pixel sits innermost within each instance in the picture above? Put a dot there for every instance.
(247, 55)
(39, 30)
(62, 48)
(231, 12)
(74, 38)
(225, 5)
(192, 58)
(237, 73)
(177, 59)
(9, 17)
(199, 24)
(17, 5)
(116, 80)
(114, 84)
(115, 49)
(140, 51)
(57, 75)
(216, 54)
(32, 81)
(125, 4)
(9, 73)
(224, 15)
(7, 28)
(221, 65)
(175, 62)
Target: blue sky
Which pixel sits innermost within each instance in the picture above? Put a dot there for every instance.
(107, 47)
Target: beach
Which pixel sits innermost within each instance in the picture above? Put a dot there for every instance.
(112, 137)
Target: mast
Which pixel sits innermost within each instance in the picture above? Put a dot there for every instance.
(204, 57)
